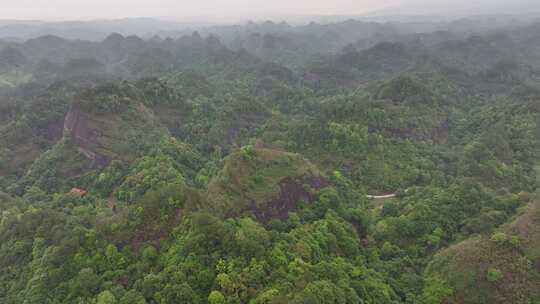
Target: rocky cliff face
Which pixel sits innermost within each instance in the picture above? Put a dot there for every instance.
(91, 137)
(123, 134)
(84, 136)
(292, 192)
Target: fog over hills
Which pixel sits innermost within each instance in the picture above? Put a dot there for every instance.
(23, 20)
(146, 28)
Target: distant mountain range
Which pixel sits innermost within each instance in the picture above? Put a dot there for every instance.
(89, 30)
(146, 28)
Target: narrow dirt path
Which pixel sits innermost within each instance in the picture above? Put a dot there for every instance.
(7, 83)
(381, 196)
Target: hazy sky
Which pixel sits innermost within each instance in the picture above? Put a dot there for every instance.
(467, 7)
(87, 9)
(257, 9)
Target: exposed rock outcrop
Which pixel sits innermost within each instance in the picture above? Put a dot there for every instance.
(293, 191)
(263, 183)
(77, 128)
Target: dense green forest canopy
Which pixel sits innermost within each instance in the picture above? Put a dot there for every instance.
(240, 166)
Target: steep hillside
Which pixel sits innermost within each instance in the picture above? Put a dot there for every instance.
(30, 124)
(502, 268)
(265, 183)
(107, 123)
(355, 68)
(103, 124)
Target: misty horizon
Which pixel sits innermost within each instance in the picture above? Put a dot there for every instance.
(208, 10)
(234, 11)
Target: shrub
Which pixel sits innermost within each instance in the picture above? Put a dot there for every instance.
(248, 152)
(494, 275)
(499, 238)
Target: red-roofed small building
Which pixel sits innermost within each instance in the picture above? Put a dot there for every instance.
(80, 192)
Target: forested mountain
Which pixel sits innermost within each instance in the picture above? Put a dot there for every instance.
(350, 162)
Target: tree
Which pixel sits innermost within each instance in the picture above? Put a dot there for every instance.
(87, 282)
(106, 297)
(132, 297)
(177, 294)
(216, 297)
(436, 291)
